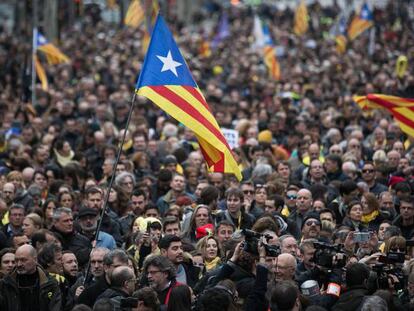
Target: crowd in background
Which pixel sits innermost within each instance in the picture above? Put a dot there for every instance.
(323, 218)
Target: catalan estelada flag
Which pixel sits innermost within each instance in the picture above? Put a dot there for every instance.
(204, 48)
(402, 109)
(264, 41)
(339, 33)
(223, 31)
(361, 22)
(166, 80)
(301, 23)
(41, 73)
(151, 10)
(135, 14)
(53, 55)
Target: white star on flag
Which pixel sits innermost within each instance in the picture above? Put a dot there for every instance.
(169, 64)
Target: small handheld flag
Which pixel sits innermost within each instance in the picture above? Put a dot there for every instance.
(166, 80)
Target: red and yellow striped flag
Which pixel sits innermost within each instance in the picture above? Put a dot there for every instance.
(301, 24)
(41, 74)
(135, 15)
(271, 62)
(361, 22)
(204, 49)
(402, 109)
(53, 55)
(166, 80)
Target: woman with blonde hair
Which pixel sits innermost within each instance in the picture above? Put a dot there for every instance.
(31, 223)
(210, 250)
(371, 215)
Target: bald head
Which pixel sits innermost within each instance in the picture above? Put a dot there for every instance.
(123, 277)
(26, 259)
(285, 267)
(304, 200)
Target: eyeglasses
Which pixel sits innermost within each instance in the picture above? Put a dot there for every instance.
(291, 196)
(312, 222)
(367, 171)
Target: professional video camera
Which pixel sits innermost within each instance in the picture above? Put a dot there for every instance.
(326, 255)
(252, 240)
(390, 264)
(384, 271)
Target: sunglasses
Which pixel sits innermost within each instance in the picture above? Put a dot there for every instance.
(248, 191)
(259, 186)
(312, 222)
(291, 196)
(367, 171)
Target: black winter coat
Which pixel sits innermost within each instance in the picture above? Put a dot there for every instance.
(50, 298)
(351, 299)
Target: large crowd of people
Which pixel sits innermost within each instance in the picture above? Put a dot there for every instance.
(323, 218)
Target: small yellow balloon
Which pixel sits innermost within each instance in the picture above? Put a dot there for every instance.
(401, 66)
(217, 70)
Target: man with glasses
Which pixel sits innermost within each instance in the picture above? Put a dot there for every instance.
(28, 286)
(248, 192)
(405, 221)
(160, 274)
(311, 227)
(290, 200)
(368, 175)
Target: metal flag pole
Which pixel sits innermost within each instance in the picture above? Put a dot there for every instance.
(118, 156)
(34, 48)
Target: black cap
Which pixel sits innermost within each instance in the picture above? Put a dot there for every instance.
(86, 211)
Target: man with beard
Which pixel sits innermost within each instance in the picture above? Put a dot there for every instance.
(311, 226)
(88, 222)
(160, 274)
(172, 248)
(70, 267)
(29, 287)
